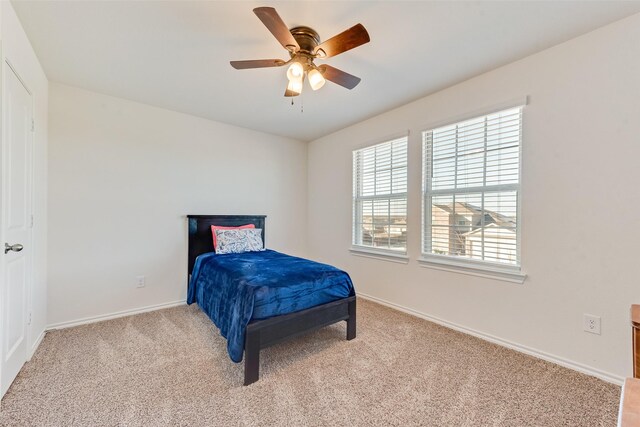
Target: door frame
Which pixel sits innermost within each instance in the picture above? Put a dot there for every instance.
(7, 67)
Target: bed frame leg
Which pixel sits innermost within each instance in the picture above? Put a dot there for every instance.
(251, 356)
(351, 321)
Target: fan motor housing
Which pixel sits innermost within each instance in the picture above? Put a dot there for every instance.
(307, 38)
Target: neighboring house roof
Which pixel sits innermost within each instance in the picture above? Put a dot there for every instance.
(492, 229)
(463, 208)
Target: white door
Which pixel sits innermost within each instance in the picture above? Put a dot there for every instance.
(16, 224)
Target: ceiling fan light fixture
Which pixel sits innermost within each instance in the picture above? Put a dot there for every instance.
(295, 71)
(316, 81)
(303, 45)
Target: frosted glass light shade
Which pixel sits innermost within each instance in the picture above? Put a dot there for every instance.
(295, 71)
(295, 85)
(315, 79)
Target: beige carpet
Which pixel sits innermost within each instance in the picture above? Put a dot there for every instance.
(170, 367)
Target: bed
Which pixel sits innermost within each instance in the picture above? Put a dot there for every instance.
(258, 322)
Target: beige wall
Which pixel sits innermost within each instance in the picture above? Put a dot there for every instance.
(579, 174)
(122, 177)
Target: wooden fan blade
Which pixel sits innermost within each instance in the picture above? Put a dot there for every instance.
(257, 63)
(346, 40)
(339, 76)
(278, 28)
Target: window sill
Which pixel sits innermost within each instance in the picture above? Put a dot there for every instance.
(506, 273)
(379, 254)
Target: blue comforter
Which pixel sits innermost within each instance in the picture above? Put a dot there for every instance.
(234, 289)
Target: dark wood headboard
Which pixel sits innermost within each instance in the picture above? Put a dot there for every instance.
(200, 239)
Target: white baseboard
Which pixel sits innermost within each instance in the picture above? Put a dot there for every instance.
(605, 376)
(115, 315)
(36, 344)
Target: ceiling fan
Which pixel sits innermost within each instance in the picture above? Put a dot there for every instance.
(303, 45)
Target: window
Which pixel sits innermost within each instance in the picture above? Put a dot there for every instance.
(471, 186)
(380, 196)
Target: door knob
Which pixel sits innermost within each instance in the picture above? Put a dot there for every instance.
(15, 248)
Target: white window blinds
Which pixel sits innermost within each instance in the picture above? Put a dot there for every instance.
(380, 196)
(471, 185)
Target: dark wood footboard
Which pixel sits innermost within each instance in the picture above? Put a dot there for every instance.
(263, 333)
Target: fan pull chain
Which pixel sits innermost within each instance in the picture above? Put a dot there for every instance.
(301, 103)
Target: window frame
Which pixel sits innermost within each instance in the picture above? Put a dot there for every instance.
(382, 253)
(489, 269)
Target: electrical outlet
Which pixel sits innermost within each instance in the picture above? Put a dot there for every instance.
(591, 323)
(141, 282)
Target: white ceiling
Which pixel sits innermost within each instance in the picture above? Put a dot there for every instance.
(175, 54)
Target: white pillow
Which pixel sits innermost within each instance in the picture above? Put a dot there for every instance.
(239, 240)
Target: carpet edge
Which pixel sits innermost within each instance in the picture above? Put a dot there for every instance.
(566, 363)
(113, 315)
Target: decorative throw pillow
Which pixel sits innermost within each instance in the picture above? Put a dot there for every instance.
(220, 227)
(239, 240)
